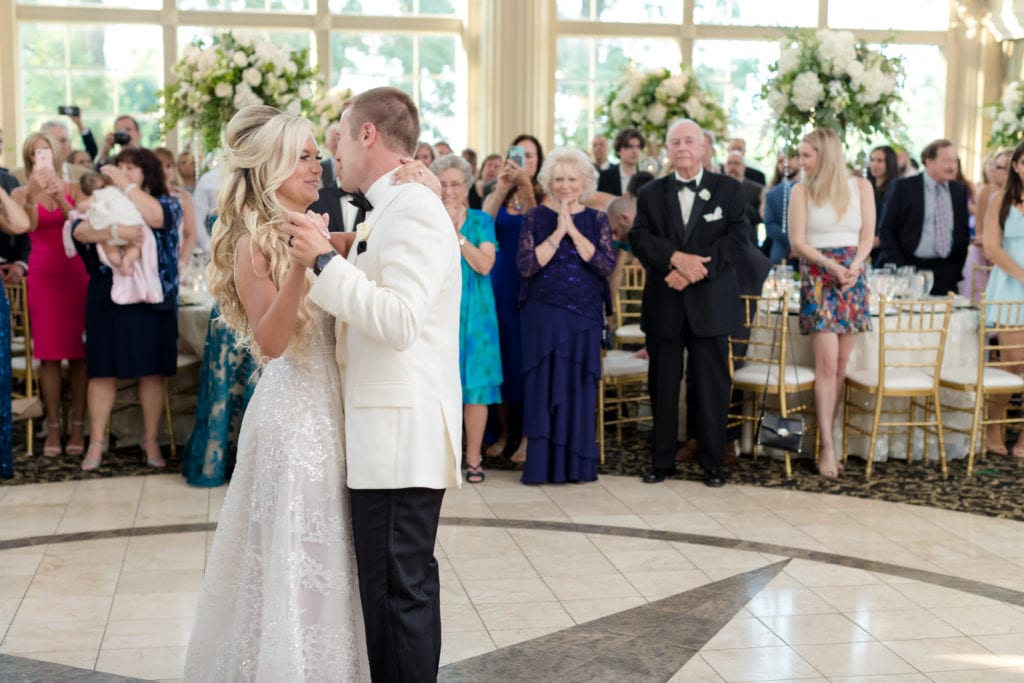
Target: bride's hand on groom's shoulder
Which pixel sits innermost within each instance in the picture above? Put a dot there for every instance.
(307, 237)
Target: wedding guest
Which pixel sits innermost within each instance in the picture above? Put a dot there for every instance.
(639, 179)
(188, 236)
(187, 171)
(442, 148)
(565, 257)
(80, 157)
(425, 153)
(883, 173)
(489, 170)
(621, 214)
(150, 351)
(126, 134)
(1003, 240)
(831, 228)
(15, 247)
(515, 192)
(13, 220)
(56, 291)
(749, 173)
(629, 147)
(599, 152)
(470, 156)
(776, 203)
(974, 283)
(479, 354)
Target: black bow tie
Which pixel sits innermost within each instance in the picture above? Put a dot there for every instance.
(360, 201)
(680, 184)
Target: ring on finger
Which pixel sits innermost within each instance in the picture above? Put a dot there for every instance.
(290, 238)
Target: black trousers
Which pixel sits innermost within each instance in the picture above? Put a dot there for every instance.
(394, 532)
(707, 396)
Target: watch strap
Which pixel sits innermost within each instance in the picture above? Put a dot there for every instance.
(322, 260)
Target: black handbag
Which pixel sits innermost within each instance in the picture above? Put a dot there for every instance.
(773, 430)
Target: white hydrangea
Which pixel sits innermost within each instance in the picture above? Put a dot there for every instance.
(294, 107)
(290, 67)
(672, 87)
(223, 90)
(837, 49)
(208, 61)
(695, 109)
(807, 91)
(777, 101)
(789, 59)
(855, 70)
(239, 58)
(252, 76)
(656, 113)
(304, 92)
(1007, 117)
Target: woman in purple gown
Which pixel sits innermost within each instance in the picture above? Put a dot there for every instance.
(565, 257)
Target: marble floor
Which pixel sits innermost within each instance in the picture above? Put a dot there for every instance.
(610, 581)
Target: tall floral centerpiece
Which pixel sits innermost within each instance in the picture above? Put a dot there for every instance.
(1008, 117)
(327, 109)
(651, 100)
(215, 78)
(829, 79)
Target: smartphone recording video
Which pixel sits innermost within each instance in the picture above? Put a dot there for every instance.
(517, 154)
(43, 158)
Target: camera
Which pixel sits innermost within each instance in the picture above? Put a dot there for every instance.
(69, 110)
(121, 137)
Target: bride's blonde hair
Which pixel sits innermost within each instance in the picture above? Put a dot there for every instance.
(829, 184)
(263, 147)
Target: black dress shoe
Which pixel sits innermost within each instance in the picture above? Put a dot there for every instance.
(714, 479)
(658, 475)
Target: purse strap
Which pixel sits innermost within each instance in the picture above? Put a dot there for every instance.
(783, 320)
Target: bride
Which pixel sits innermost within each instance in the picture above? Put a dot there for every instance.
(280, 599)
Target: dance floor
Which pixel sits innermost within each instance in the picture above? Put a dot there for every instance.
(609, 581)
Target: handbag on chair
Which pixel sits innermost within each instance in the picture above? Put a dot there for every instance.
(773, 430)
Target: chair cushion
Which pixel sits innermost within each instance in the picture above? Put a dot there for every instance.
(617, 363)
(755, 374)
(993, 378)
(895, 379)
(631, 330)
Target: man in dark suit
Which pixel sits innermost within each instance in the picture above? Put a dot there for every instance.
(748, 172)
(753, 193)
(342, 214)
(629, 147)
(924, 219)
(690, 229)
(329, 178)
(14, 249)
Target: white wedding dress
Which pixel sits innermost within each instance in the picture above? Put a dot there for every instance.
(280, 599)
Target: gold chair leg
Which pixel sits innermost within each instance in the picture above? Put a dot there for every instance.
(910, 431)
(879, 399)
(170, 419)
(938, 431)
(979, 406)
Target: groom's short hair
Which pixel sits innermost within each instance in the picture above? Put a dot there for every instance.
(392, 112)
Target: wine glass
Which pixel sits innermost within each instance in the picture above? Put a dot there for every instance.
(929, 281)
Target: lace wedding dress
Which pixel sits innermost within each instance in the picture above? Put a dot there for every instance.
(280, 600)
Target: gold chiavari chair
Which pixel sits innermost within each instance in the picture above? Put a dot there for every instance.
(627, 306)
(25, 403)
(911, 341)
(995, 373)
(764, 359)
(623, 393)
(979, 278)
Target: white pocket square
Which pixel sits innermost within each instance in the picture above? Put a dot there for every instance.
(715, 215)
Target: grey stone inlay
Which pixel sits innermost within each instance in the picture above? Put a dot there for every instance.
(23, 670)
(647, 643)
(107, 533)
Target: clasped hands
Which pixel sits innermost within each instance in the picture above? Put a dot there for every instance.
(686, 270)
(846, 277)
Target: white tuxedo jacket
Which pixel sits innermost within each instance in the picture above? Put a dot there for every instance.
(397, 311)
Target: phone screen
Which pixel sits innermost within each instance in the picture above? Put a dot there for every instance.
(43, 158)
(517, 154)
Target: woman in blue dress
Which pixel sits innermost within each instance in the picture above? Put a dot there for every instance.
(479, 354)
(565, 257)
(1003, 241)
(13, 221)
(515, 192)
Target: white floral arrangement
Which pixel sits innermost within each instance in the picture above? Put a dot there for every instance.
(214, 79)
(650, 101)
(1008, 117)
(829, 79)
(327, 109)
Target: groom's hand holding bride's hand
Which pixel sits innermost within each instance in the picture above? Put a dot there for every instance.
(307, 237)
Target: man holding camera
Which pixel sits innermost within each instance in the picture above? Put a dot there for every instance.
(126, 134)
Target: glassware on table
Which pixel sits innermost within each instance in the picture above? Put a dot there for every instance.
(929, 280)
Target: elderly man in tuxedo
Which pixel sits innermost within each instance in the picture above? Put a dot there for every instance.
(396, 299)
(924, 219)
(690, 229)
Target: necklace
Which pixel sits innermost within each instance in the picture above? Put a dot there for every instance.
(513, 202)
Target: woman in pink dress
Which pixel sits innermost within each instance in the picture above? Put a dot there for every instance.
(56, 291)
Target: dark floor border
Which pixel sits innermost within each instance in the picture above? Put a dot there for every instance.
(979, 588)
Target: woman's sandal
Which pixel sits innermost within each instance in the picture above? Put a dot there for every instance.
(158, 462)
(497, 448)
(72, 448)
(92, 458)
(519, 457)
(53, 451)
(475, 474)
(1018, 451)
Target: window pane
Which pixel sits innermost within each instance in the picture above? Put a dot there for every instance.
(249, 5)
(588, 68)
(734, 70)
(919, 15)
(924, 94)
(426, 67)
(399, 8)
(662, 11)
(106, 70)
(758, 12)
(100, 4)
(297, 40)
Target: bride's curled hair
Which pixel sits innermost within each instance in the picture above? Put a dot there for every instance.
(263, 146)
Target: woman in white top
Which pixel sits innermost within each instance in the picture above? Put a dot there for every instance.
(831, 228)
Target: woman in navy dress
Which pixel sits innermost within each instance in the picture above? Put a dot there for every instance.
(515, 192)
(131, 340)
(565, 257)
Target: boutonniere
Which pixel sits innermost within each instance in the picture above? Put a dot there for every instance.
(715, 215)
(704, 194)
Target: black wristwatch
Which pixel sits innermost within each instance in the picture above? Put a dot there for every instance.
(322, 260)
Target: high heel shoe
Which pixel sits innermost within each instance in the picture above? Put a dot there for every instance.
(158, 462)
(94, 456)
(52, 451)
(73, 448)
(519, 457)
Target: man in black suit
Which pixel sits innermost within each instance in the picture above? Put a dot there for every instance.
(748, 172)
(342, 215)
(690, 229)
(329, 178)
(753, 193)
(629, 147)
(14, 249)
(924, 219)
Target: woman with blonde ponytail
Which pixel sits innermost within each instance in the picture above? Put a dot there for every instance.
(831, 229)
(280, 600)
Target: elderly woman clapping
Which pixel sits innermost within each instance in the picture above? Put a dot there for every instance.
(479, 353)
(565, 258)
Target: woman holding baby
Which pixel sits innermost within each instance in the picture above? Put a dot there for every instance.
(137, 339)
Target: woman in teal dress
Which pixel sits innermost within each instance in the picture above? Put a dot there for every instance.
(479, 351)
(1003, 242)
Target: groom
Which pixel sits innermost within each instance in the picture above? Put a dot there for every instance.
(396, 301)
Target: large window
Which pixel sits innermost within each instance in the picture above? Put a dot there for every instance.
(399, 8)
(901, 15)
(662, 11)
(756, 12)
